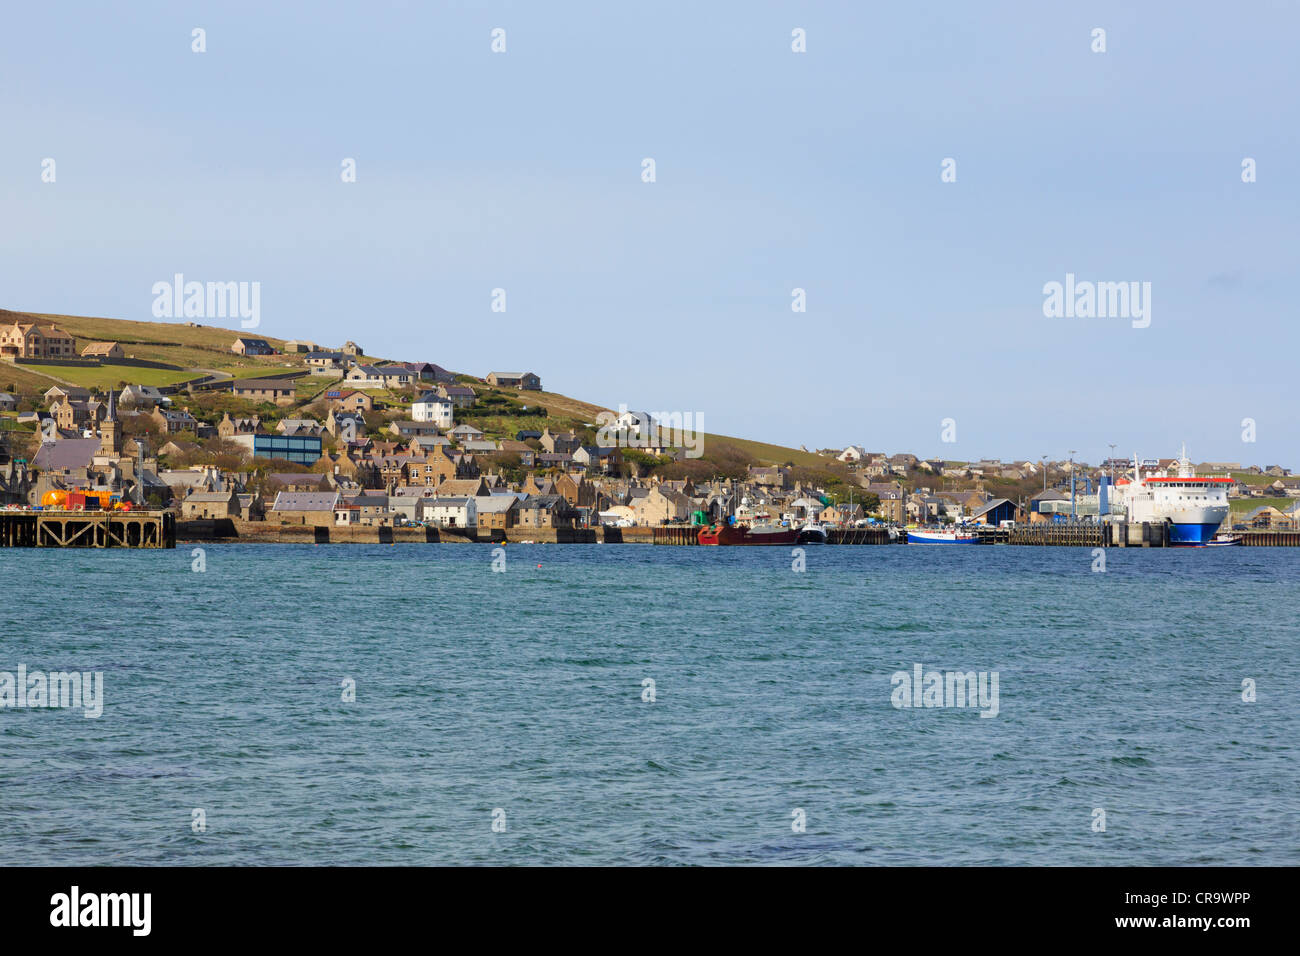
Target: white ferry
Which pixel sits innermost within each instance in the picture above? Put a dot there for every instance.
(1195, 507)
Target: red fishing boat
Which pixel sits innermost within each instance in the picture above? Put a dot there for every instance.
(758, 532)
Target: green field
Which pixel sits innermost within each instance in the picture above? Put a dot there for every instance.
(1247, 505)
(1247, 478)
(107, 376)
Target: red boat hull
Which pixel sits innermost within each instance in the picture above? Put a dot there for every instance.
(741, 535)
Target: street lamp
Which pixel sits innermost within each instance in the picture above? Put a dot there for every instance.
(1072, 484)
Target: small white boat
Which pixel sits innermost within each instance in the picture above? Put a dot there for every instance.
(1223, 540)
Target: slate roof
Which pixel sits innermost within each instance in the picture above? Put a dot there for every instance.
(305, 501)
(67, 453)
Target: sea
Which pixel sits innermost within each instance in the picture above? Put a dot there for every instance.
(631, 704)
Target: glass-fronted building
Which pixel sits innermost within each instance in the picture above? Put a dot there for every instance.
(300, 449)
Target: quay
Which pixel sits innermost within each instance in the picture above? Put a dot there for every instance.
(1270, 539)
(1076, 535)
(87, 529)
(1080, 535)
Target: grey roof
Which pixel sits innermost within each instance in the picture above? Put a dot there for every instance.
(447, 502)
(183, 477)
(217, 496)
(545, 502)
(306, 501)
(494, 503)
(66, 453)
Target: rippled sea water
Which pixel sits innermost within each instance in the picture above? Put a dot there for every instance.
(475, 690)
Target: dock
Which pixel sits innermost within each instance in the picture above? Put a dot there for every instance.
(1080, 534)
(87, 529)
(872, 534)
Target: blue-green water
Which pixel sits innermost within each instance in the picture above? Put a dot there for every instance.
(522, 690)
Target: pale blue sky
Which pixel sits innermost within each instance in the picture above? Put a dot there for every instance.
(775, 170)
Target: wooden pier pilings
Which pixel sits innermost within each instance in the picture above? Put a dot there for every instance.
(1270, 539)
(877, 534)
(676, 534)
(87, 529)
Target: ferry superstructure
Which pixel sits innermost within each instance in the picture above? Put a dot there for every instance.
(1194, 506)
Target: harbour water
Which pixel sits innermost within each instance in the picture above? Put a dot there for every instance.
(476, 691)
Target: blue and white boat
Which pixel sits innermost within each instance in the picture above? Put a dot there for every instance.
(936, 536)
(1194, 507)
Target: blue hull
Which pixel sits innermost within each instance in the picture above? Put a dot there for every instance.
(913, 538)
(1192, 534)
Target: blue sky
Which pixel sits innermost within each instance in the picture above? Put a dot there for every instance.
(775, 170)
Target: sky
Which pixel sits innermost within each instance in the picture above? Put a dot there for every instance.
(774, 171)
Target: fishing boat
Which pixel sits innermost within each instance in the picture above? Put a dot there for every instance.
(1223, 540)
(937, 536)
(813, 532)
(754, 533)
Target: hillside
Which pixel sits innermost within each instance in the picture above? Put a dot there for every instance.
(196, 350)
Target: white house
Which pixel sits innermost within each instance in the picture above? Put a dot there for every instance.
(142, 396)
(853, 453)
(807, 508)
(432, 408)
(449, 512)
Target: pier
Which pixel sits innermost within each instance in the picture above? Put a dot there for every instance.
(87, 529)
(1081, 534)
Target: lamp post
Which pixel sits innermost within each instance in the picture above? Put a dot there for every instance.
(1071, 484)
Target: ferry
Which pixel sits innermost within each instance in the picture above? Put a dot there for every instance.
(1194, 507)
(935, 536)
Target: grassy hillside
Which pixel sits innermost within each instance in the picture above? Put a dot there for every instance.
(1247, 505)
(202, 349)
